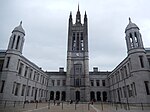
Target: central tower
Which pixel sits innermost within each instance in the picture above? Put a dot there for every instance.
(78, 59)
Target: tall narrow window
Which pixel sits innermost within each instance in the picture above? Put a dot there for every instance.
(18, 39)
(26, 71)
(13, 41)
(30, 74)
(1, 65)
(103, 83)
(147, 87)
(78, 42)
(20, 69)
(28, 90)
(14, 86)
(97, 83)
(73, 42)
(53, 82)
(58, 82)
(82, 44)
(131, 41)
(8, 60)
(64, 82)
(92, 83)
(134, 88)
(125, 93)
(141, 61)
(33, 89)
(23, 90)
(17, 89)
(2, 86)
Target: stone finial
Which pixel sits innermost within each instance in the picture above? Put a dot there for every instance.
(20, 22)
(130, 20)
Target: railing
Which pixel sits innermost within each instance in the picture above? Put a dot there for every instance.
(7, 105)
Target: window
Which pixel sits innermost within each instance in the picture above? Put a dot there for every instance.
(37, 78)
(32, 91)
(64, 82)
(13, 89)
(58, 82)
(30, 74)
(73, 42)
(77, 41)
(134, 88)
(141, 61)
(124, 90)
(13, 41)
(149, 61)
(17, 42)
(103, 82)
(82, 44)
(17, 89)
(23, 90)
(125, 70)
(97, 83)
(28, 90)
(34, 76)
(53, 82)
(8, 60)
(2, 86)
(92, 83)
(26, 70)
(131, 40)
(136, 40)
(20, 69)
(1, 65)
(78, 69)
(147, 87)
(77, 82)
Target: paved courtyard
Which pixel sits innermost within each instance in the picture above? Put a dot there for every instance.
(65, 107)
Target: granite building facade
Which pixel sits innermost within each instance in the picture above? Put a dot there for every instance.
(22, 80)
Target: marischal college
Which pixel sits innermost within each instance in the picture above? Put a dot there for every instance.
(22, 80)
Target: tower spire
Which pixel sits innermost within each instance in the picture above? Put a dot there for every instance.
(78, 16)
(78, 7)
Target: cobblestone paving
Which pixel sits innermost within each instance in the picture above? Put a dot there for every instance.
(44, 107)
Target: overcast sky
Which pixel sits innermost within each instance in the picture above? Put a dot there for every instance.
(46, 26)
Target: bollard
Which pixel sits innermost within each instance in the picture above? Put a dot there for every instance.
(62, 105)
(102, 106)
(120, 104)
(24, 104)
(49, 105)
(128, 106)
(88, 106)
(14, 103)
(5, 103)
(116, 106)
(36, 105)
(75, 106)
(142, 106)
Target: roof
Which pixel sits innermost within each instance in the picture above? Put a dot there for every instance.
(19, 28)
(131, 25)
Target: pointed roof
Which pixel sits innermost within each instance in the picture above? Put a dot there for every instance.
(19, 28)
(131, 25)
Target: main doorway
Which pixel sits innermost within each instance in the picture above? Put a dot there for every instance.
(77, 95)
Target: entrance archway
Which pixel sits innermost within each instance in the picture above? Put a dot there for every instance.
(52, 95)
(98, 96)
(104, 96)
(92, 95)
(57, 95)
(77, 95)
